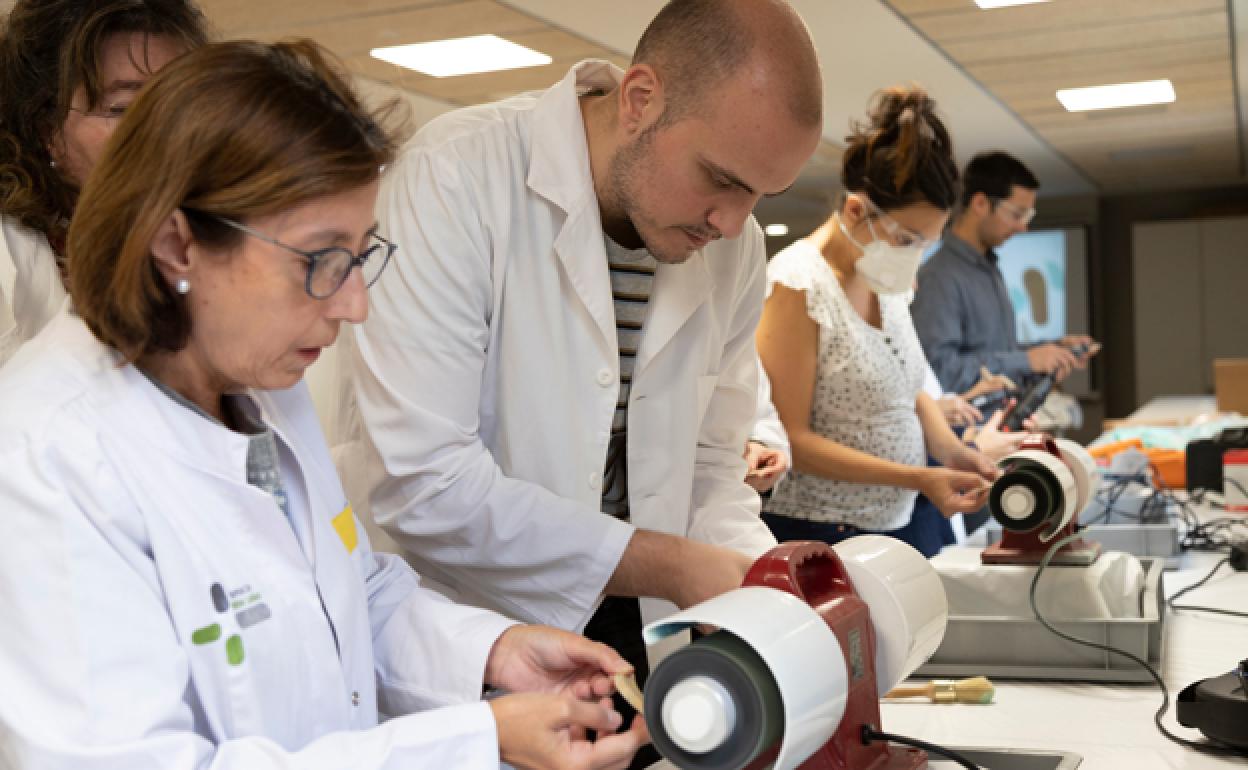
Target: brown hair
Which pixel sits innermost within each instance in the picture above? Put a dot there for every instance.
(49, 48)
(902, 154)
(235, 130)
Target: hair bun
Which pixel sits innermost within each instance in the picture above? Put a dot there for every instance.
(902, 150)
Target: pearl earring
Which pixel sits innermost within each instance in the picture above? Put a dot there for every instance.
(182, 286)
(52, 163)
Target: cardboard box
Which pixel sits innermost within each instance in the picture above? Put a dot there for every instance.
(1230, 382)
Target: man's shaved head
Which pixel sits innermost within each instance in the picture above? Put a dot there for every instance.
(694, 46)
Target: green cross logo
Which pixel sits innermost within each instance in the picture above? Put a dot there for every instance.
(249, 611)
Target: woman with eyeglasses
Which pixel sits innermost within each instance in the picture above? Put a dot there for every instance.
(68, 71)
(845, 364)
(183, 583)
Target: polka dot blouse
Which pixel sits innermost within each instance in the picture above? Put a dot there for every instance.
(866, 384)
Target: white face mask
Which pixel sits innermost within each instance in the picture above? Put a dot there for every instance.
(888, 269)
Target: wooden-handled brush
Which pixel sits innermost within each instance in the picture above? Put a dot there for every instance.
(977, 689)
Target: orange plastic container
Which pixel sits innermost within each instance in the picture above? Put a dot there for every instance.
(1170, 465)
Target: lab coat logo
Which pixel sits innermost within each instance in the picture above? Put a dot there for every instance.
(248, 610)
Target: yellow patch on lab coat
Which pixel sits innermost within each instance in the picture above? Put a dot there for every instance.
(344, 525)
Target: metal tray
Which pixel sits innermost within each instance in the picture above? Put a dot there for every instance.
(1011, 759)
(1010, 647)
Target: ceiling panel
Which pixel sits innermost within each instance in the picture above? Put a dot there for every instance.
(1023, 55)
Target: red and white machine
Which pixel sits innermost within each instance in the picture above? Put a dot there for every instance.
(803, 653)
(1043, 488)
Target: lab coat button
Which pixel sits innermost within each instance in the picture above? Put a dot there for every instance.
(605, 377)
(355, 698)
(595, 479)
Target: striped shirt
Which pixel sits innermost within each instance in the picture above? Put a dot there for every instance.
(632, 280)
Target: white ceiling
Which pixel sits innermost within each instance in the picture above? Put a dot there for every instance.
(864, 45)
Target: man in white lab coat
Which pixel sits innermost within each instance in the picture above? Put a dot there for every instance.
(498, 366)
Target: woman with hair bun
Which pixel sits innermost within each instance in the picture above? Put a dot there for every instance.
(838, 343)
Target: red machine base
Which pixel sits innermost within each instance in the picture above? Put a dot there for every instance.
(1027, 548)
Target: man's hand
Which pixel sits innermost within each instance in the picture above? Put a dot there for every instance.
(764, 465)
(543, 659)
(713, 570)
(537, 732)
(1052, 358)
(989, 383)
(677, 569)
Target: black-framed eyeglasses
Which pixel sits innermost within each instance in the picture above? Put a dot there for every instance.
(329, 268)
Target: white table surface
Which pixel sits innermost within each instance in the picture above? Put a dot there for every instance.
(1110, 726)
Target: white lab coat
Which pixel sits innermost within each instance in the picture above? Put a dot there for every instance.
(488, 372)
(768, 430)
(122, 509)
(30, 285)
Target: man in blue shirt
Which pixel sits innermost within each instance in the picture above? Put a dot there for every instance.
(962, 310)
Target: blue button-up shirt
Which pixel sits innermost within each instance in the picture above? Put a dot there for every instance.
(964, 318)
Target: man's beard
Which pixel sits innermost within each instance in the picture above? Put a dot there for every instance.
(626, 176)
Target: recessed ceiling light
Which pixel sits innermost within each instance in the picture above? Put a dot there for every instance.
(462, 56)
(1005, 3)
(776, 231)
(1117, 95)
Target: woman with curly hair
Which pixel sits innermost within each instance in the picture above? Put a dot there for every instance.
(68, 71)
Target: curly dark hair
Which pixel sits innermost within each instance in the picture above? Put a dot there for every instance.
(48, 49)
(902, 153)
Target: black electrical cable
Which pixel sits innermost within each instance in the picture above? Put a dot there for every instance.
(1200, 582)
(1199, 608)
(1209, 748)
(1215, 610)
(870, 735)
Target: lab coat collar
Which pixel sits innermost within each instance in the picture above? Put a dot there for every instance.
(559, 157)
(559, 171)
(132, 403)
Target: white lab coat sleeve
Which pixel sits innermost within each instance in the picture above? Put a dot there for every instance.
(725, 509)
(421, 362)
(413, 625)
(768, 430)
(94, 676)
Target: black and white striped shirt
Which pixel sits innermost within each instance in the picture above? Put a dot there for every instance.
(632, 280)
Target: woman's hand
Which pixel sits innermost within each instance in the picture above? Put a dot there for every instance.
(957, 411)
(543, 659)
(542, 732)
(954, 491)
(994, 442)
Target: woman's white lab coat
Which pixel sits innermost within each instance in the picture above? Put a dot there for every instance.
(30, 285)
(488, 370)
(160, 612)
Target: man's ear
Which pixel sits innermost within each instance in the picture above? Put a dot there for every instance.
(640, 101)
(981, 205)
(171, 248)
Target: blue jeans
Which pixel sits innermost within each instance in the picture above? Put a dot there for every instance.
(927, 531)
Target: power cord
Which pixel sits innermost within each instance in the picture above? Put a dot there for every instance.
(871, 735)
(1209, 748)
(1238, 560)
